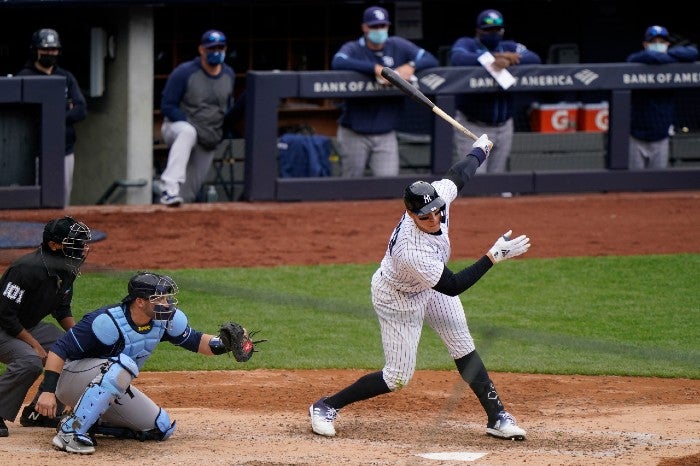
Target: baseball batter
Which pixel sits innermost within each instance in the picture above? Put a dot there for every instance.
(92, 366)
(413, 284)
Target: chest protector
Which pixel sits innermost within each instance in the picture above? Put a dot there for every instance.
(138, 345)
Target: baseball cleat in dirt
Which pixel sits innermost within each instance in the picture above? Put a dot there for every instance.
(322, 417)
(170, 200)
(506, 427)
(74, 443)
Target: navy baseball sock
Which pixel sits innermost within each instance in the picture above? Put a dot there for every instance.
(473, 371)
(367, 386)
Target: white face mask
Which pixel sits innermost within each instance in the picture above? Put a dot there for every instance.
(657, 47)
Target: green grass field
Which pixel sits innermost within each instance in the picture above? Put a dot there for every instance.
(633, 316)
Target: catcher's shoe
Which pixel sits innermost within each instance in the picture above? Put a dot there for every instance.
(74, 443)
(322, 417)
(3, 429)
(506, 427)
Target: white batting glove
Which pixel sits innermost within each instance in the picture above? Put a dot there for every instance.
(506, 248)
(484, 144)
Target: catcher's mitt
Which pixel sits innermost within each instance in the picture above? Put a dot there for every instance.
(237, 341)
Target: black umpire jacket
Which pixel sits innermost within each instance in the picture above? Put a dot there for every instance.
(36, 285)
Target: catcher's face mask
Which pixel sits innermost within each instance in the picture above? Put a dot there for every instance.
(159, 290)
(164, 306)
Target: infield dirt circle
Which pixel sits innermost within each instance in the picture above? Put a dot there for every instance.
(260, 417)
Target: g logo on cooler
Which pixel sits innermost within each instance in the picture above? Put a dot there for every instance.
(560, 120)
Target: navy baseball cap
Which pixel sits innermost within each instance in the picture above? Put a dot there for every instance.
(655, 31)
(490, 19)
(375, 15)
(212, 38)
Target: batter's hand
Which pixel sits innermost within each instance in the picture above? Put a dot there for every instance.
(506, 248)
(484, 144)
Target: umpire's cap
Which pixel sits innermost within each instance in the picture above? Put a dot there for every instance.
(421, 198)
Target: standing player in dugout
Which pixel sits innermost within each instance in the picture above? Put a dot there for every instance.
(413, 284)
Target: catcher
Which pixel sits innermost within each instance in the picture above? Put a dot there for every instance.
(91, 367)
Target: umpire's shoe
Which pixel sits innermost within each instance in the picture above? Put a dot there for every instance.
(74, 443)
(3, 429)
(30, 418)
(322, 417)
(506, 427)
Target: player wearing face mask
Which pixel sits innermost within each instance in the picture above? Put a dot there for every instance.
(45, 50)
(196, 100)
(366, 131)
(488, 112)
(653, 110)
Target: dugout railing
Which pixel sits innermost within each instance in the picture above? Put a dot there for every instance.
(266, 89)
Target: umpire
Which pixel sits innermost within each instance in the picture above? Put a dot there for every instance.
(36, 285)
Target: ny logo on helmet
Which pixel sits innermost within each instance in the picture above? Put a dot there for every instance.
(427, 199)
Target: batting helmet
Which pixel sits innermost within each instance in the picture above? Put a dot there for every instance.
(155, 288)
(46, 39)
(74, 236)
(421, 198)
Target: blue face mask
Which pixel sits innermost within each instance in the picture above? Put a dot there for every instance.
(216, 58)
(490, 40)
(378, 36)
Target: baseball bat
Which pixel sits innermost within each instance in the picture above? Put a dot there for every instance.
(394, 78)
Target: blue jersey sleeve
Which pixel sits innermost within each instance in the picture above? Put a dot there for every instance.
(174, 90)
(81, 342)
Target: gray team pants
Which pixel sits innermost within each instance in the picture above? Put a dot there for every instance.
(23, 366)
(501, 136)
(381, 151)
(133, 410)
(648, 154)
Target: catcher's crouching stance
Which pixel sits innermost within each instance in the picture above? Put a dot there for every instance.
(92, 366)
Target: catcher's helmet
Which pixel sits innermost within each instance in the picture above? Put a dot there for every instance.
(46, 39)
(421, 198)
(155, 288)
(73, 235)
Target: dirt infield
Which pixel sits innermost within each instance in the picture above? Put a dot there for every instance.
(260, 417)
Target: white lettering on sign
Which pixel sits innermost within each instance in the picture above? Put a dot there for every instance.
(480, 83)
(642, 78)
(347, 86)
(546, 80)
(663, 77)
(686, 78)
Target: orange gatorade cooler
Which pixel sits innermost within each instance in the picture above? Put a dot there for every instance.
(593, 117)
(554, 118)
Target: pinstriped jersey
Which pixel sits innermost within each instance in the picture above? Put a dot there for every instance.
(414, 260)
